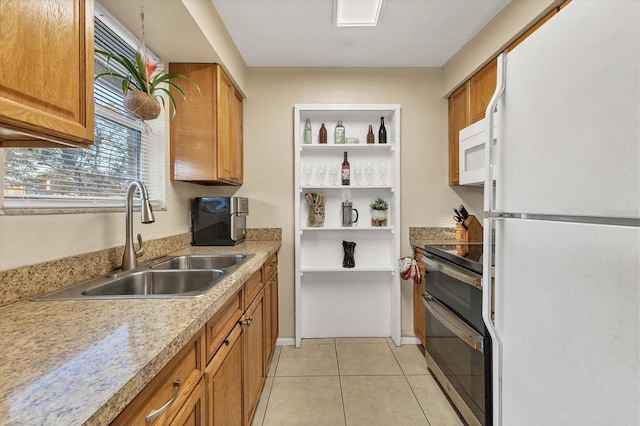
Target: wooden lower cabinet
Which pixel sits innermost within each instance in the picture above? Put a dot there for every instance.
(419, 325)
(192, 412)
(221, 371)
(253, 348)
(270, 279)
(171, 392)
(224, 382)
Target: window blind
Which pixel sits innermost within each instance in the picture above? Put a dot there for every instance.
(79, 179)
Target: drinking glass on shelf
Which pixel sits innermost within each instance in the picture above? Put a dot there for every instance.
(334, 171)
(307, 172)
(357, 174)
(369, 173)
(321, 173)
(383, 172)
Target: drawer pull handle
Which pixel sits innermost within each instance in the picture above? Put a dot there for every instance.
(226, 342)
(155, 413)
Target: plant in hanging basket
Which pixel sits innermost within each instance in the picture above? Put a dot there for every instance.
(142, 85)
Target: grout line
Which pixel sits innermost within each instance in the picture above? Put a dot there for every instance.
(273, 380)
(409, 384)
(344, 410)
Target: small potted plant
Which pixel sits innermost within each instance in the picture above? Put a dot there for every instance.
(379, 209)
(142, 85)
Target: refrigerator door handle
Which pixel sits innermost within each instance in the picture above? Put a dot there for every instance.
(454, 324)
(489, 193)
(487, 299)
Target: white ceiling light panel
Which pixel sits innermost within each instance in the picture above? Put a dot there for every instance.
(357, 13)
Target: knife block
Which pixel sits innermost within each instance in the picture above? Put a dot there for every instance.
(474, 234)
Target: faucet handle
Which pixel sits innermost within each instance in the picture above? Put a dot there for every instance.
(141, 251)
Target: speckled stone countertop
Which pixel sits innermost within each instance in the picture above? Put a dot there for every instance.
(418, 237)
(82, 362)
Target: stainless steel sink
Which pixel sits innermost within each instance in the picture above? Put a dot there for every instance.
(200, 261)
(187, 276)
(158, 283)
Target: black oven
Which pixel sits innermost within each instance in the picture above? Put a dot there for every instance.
(458, 346)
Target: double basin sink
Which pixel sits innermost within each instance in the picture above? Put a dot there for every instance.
(186, 276)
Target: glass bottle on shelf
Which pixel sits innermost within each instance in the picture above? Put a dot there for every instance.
(339, 133)
(382, 133)
(370, 137)
(307, 131)
(322, 136)
(346, 171)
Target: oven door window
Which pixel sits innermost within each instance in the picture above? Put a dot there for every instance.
(461, 353)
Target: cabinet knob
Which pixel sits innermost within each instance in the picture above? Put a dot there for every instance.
(247, 321)
(226, 342)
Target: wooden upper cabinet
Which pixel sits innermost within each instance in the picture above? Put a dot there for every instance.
(482, 86)
(206, 133)
(459, 116)
(46, 73)
(468, 104)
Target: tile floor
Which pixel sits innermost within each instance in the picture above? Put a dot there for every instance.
(351, 382)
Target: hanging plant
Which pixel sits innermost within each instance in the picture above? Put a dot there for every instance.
(141, 85)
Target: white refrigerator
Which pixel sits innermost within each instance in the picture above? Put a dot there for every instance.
(562, 214)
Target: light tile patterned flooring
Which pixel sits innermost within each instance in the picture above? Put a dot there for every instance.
(346, 381)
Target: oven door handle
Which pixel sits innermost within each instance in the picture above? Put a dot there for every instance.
(453, 323)
(448, 270)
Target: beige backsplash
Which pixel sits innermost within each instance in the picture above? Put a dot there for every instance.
(41, 278)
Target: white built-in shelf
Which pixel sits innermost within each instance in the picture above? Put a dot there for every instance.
(333, 301)
(346, 228)
(334, 187)
(361, 147)
(351, 270)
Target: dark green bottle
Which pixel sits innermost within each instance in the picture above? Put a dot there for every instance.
(382, 133)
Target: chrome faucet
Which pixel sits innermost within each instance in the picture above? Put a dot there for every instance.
(131, 255)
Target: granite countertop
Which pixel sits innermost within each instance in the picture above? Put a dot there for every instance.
(419, 237)
(82, 362)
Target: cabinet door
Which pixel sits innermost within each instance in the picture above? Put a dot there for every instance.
(270, 318)
(226, 155)
(236, 140)
(46, 82)
(268, 312)
(193, 128)
(274, 311)
(224, 382)
(482, 86)
(458, 119)
(419, 325)
(192, 412)
(253, 361)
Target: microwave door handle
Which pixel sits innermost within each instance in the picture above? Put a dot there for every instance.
(465, 278)
(453, 323)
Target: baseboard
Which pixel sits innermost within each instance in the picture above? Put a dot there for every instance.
(285, 341)
(291, 341)
(410, 341)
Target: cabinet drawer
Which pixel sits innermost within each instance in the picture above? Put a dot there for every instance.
(187, 367)
(269, 267)
(252, 287)
(192, 412)
(221, 323)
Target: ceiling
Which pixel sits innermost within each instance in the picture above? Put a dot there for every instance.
(410, 33)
